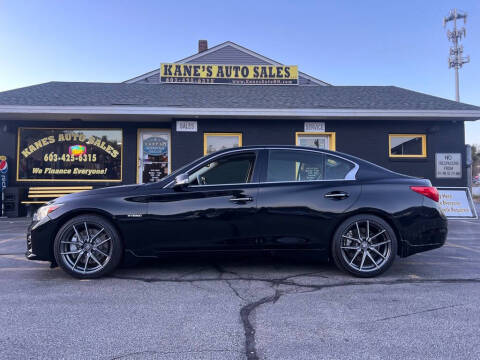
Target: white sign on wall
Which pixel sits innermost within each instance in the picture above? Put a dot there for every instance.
(187, 126)
(457, 203)
(448, 165)
(314, 126)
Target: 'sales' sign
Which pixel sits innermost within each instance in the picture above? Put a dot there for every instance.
(229, 74)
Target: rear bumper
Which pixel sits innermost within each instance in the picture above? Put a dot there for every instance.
(427, 233)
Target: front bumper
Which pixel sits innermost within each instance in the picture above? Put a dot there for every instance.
(40, 237)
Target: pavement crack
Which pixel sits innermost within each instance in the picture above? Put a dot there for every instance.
(223, 271)
(235, 291)
(420, 312)
(245, 311)
(250, 348)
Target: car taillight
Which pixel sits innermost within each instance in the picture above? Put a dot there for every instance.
(428, 191)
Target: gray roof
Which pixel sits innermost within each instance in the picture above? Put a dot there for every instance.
(227, 96)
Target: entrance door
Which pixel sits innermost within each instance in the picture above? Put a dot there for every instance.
(153, 162)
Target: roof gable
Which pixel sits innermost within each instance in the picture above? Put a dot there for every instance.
(226, 53)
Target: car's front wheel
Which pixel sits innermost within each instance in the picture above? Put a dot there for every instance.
(87, 247)
(364, 245)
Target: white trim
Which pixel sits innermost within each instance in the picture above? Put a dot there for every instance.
(221, 46)
(240, 112)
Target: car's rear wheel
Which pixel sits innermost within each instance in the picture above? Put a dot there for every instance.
(364, 245)
(87, 247)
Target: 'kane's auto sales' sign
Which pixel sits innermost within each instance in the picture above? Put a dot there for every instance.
(229, 74)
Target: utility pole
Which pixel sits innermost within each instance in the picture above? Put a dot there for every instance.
(456, 59)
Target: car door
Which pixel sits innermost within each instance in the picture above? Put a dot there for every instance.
(302, 195)
(216, 210)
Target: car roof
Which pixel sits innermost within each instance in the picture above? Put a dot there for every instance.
(286, 147)
(365, 166)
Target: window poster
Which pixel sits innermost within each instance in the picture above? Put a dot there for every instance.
(154, 155)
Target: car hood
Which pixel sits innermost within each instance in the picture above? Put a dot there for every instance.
(102, 192)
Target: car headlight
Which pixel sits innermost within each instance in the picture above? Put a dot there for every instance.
(43, 211)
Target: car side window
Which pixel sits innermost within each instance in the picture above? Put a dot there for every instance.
(337, 168)
(297, 165)
(234, 169)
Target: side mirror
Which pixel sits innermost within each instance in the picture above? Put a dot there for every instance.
(181, 182)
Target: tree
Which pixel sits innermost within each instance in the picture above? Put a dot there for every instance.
(476, 159)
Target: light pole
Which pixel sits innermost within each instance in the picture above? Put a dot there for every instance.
(456, 59)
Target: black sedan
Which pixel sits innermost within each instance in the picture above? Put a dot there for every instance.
(276, 198)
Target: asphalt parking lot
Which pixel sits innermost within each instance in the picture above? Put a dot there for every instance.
(238, 307)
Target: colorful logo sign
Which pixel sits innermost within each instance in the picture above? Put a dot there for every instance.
(3, 166)
(3, 172)
(77, 150)
(155, 146)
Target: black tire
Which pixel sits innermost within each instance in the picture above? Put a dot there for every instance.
(355, 254)
(83, 239)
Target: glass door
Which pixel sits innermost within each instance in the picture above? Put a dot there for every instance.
(153, 160)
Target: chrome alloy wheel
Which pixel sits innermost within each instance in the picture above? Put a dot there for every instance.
(366, 246)
(86, 248)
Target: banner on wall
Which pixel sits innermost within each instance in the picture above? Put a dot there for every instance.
(457, 203)
(64, 154)
(229, 74)
(154, 160)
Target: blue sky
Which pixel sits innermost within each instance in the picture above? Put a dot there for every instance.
(400, 43)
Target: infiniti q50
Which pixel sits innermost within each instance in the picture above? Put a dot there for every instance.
(262, 198)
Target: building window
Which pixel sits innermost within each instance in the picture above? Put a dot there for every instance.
(317, 140)
(153, 155)
(69, 154)
(407, 145)
(218, 141)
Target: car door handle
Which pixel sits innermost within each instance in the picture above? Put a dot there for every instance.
(338, 195)
(241, 199)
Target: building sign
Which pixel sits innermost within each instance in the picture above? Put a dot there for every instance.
(187, 126)
(154, 155)
(457, 203)
(49, 154)
(229, 74)
(3, 172)
(314, 126)
(448, 165)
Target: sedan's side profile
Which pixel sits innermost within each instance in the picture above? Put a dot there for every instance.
(275, 198)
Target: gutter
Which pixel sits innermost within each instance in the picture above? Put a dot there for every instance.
(237, 112)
